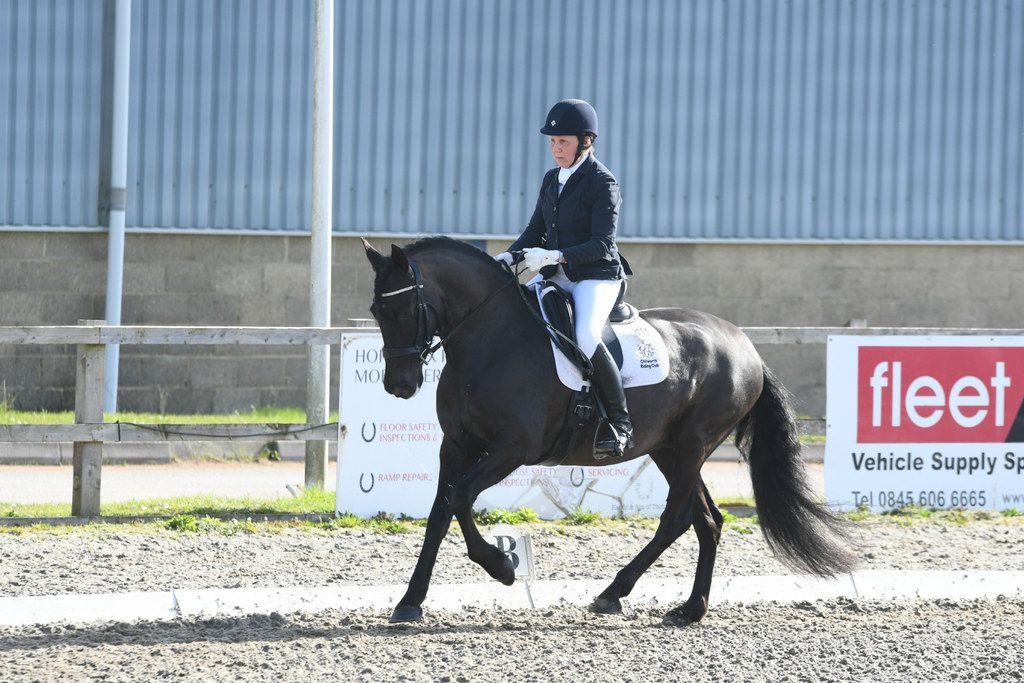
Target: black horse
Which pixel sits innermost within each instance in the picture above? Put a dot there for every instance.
(500, 406)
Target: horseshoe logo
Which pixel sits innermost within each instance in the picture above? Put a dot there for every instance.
(572, 477)
(373, 434)
(363, 488)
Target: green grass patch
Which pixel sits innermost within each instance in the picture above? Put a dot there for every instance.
(183, 523)
(914, 513)
(736, 502)
(860, 514)
(200, 514)
(345, 520)
(386, 523)
(310, 501)
(8, 415)
(579, 517)
(212, 525)
(500, 516)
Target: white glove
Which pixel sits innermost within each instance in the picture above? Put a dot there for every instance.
(536, 258)
(506, 257)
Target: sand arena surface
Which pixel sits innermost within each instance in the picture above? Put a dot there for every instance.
(834, 640)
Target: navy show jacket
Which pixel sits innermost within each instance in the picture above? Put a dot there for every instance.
(580, 222)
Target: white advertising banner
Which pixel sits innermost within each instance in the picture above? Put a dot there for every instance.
(388, 461)
(927, 421)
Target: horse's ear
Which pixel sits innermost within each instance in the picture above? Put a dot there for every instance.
(399, 258)
(374, 256)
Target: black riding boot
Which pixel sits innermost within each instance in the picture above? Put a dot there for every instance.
(613, 441)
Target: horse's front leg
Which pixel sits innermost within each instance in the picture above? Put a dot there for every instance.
(451, 469)
(490, 470)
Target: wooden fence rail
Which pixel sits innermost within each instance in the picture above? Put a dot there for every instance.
(131, 432)
(89, 432)
(173, 334)
(301, 336)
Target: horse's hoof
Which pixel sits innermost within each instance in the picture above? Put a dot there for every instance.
(406, 613)
(506, 573)
(686, 614)
(606, 605)
(499, 567)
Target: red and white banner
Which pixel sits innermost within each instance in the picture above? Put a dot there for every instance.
(929, 421)
(388, 461)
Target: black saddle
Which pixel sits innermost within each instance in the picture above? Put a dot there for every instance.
(560, 311)
(585, 410)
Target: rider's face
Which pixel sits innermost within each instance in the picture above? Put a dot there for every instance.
(563, 149)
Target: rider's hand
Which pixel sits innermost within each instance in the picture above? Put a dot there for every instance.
(536, 258)
(506, 257)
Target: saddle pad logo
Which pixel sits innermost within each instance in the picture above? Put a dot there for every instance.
(646, 352)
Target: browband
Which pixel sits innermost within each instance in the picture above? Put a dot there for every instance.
(399, 291)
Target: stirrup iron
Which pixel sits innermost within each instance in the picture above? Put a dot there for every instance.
(611, 447)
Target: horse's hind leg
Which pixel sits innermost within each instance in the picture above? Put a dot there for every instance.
(707, 524)
(675, 520)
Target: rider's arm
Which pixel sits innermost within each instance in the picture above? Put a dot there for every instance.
(604, 218)
(535, 232)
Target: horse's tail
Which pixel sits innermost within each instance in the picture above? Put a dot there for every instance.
(799, 529)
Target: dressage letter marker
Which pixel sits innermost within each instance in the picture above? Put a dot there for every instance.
(517, 545)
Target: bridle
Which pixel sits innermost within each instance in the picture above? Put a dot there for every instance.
(427, 326)
(427, 319)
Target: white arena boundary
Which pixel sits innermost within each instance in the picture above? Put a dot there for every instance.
(889, 585)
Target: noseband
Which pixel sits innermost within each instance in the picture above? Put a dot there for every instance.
(426, 322)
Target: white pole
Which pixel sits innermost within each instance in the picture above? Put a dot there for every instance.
(118, 193)
(317, 381)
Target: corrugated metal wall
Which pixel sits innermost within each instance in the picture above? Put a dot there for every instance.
(744, 119)
(219, 127)
(50, 74)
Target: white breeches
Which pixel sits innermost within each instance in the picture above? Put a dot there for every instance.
(594, 300)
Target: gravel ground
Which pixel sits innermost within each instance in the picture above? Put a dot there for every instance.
(119, 559)
(835, 640)
(828, 641)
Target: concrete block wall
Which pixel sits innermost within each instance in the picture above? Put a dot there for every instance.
(829, 285)
(51, 278)
(56, 278)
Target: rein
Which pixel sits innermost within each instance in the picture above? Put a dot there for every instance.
(589, 369)
(424, 334)
(426, 311)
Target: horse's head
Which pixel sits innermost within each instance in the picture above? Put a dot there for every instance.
(407, 321)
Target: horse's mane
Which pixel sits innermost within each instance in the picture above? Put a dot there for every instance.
(438, 243)
(443, 243)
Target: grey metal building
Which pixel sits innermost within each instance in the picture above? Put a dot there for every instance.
(724, 119)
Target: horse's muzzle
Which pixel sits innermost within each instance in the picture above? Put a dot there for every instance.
(403, 390)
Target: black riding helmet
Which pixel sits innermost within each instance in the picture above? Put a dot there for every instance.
(571, 117)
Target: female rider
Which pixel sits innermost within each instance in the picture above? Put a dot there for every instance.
(571, 240)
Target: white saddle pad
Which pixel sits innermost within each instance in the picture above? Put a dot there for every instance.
(644, 355)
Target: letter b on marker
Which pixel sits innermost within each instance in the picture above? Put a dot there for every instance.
(507, 545)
